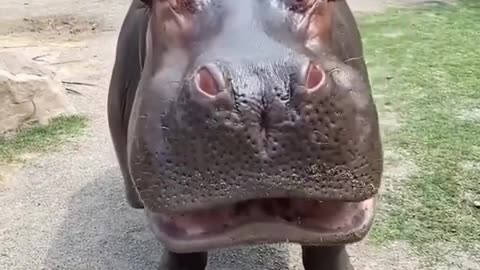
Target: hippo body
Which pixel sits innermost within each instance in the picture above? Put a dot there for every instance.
(246, 122)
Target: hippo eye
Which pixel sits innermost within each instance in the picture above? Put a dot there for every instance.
(300, 6)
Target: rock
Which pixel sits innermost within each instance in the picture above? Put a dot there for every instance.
(29, 92)
(476, 204)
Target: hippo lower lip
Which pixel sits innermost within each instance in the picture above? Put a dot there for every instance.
(275, 220)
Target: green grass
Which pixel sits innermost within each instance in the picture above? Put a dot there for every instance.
(431, 57)
(38, 139)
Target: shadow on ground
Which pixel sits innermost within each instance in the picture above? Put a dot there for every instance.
(100, 231)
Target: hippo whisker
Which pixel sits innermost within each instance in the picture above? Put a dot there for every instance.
(353, 59)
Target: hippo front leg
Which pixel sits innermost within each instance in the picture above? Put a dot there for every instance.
(183, 261)
(326, 258)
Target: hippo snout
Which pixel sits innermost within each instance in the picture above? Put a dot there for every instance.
(209, 79)
(259, 131)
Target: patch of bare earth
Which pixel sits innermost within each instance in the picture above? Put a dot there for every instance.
(472, 115)
(471, 166)
(57, 25)
(6, 172)
(453, 258)
(395, 256)
(49, 32)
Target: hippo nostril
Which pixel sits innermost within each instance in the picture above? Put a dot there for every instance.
(314, 77)
(209, 80)
(205, 82)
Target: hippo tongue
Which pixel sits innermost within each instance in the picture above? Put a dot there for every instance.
(311, 214)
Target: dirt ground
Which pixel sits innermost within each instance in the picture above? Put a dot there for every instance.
(66, 210)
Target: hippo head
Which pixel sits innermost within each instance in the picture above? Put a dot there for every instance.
(254, 123)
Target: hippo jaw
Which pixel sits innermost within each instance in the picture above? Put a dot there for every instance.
(248, 128)
(264, 221)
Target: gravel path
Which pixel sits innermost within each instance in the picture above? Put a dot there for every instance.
(66, 210)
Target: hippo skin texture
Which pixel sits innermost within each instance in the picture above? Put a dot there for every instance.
(246, 122)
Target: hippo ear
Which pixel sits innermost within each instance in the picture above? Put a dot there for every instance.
(320, 19)
(300, 6)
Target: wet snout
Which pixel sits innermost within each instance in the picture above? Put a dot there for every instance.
(286, 128)
(257, 97)
(252, 115)
(261, 97)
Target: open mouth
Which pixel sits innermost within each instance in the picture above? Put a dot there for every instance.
(261, 221)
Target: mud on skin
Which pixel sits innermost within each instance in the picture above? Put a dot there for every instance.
(246, 122)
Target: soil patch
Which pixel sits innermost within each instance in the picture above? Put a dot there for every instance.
(64, 26)
(470, 115)
(394, 256)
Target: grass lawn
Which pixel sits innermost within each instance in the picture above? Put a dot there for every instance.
(425, 66)
(40, 138)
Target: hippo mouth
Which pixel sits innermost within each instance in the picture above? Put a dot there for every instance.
(264, 221)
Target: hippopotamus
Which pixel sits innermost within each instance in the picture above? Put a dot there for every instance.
(246, 122)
